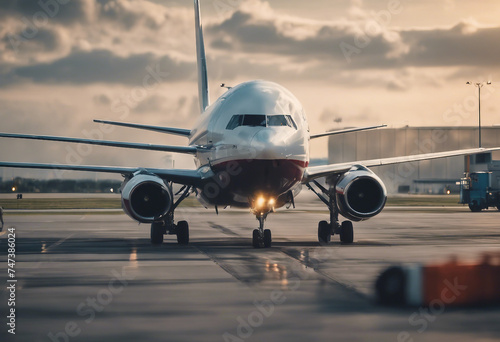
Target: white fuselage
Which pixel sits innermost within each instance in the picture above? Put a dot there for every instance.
(256, 140)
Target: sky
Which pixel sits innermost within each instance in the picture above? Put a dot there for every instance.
(64, 63)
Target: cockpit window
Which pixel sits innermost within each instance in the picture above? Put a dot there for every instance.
(235, 121)
(280, 120)
(255, 120)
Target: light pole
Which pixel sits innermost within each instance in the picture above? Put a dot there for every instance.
(479, 85)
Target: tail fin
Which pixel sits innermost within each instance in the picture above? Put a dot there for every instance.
(202, 62)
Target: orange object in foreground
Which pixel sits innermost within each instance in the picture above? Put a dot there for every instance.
(448, 284)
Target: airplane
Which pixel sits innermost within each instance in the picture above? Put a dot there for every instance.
(251, 150)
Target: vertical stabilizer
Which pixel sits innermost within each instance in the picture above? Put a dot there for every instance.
(202, 62)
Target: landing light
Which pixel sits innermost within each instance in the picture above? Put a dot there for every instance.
(13, 188)
(260, 202)
(263, 203)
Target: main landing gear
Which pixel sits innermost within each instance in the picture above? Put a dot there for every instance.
(327, 229)
(168, 226)
(181, 229)
(261, 237)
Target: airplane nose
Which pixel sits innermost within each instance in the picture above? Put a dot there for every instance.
(268, 144)
(264, 136)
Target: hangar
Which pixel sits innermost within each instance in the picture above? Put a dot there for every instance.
(431, 176)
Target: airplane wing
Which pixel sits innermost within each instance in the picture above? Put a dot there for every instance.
(180, 176)
(347, 130)
(332, 169)
(150, 147)
(169, 130)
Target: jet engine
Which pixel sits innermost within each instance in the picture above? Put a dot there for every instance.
(360, 194)
(146, 198)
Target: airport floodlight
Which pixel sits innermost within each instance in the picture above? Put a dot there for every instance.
(479, 85)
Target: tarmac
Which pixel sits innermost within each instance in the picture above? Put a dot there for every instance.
(84, 277)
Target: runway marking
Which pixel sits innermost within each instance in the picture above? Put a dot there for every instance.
(320, 274)
(58, 243)
(221, 265)
(223, 229)
(323, 274)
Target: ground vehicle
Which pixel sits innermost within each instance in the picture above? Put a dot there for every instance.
(476, 190)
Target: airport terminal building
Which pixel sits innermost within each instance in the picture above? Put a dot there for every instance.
(431, 176)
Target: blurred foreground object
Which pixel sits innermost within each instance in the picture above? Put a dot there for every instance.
(449, 284)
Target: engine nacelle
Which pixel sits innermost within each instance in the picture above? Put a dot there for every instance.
(146, 198)
(360, 194)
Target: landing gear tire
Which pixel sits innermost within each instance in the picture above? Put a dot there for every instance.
(182, 233)
(267, 238)
(474, 207)
(157, 231)
(256, 238)
(324, 232)
(346, 232)
(259, 241)
(261, 237)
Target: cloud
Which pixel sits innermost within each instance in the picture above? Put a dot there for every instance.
(102, 66)
(271, 33)
(153, 103)
(329, 116)
(31, 33)
(65, 12)
(371, 44)
(131, 13)
(127, 13)
(465, 44)
(30, 115)
(102, 99)
(115, 40)
(46, 39)
(176, 109)
(333, 119)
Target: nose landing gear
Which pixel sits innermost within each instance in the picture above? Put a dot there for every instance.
(261, 237)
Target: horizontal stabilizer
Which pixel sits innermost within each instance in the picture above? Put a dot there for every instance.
(149, 147)
(347, 130)
(169, 130)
